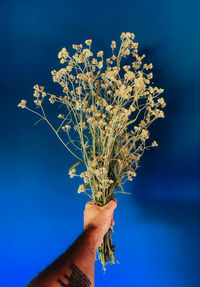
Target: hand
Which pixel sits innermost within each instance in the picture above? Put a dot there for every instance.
(99, 218)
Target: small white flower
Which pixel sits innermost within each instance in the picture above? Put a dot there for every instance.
(100, 54)
(81, 188)
(22, 104)
(72, 172)
(154, 143)
(88, 42)
(66, 128)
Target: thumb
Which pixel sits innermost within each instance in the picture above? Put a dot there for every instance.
(112, 204)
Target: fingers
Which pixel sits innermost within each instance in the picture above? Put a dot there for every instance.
(90, 202)
(111, 205)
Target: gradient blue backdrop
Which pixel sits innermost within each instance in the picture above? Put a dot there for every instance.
(157, 227)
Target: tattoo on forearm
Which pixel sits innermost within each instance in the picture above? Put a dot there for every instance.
(76, 279)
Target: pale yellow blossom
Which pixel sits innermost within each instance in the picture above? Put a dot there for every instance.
(22, 104)
(66, 127)
(161, 101)
(100, 64)
(88, 42)
(100, 54)
(52, 99)
(81, 188)
(113, 44)
(144, 134)
(38, 102)
(154, 143)
(126, 68)
(61, 116)
(79, 90)
(72, 172)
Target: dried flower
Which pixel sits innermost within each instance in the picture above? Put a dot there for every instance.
(154, 143)
(100, 54)
(126, 68)
(66, 127)
(72, 172)
(81, 188)
(88, 42)
(22, 104)
(161, 101)
(52, 99)
(87, 53)
(63, 54)
(61, 116)
(37, 102)
(113, 45)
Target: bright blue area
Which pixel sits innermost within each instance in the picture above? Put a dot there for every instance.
(157, 228)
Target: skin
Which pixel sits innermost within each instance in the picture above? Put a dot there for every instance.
(76, 266)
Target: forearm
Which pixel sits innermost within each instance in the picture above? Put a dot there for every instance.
(74, 266)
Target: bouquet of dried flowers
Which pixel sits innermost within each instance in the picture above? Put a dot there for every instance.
(103, 99)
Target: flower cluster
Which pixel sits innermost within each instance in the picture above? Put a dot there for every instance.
(110, 105)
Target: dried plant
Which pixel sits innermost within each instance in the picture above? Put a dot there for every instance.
(102, 101)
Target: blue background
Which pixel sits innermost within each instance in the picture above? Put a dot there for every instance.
(157, 227)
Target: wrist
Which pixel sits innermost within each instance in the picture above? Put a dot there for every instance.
(93, 236)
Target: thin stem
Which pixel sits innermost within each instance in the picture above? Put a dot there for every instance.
(62, 140)
(44, 118)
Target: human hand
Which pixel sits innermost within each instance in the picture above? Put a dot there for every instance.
(99, 218)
